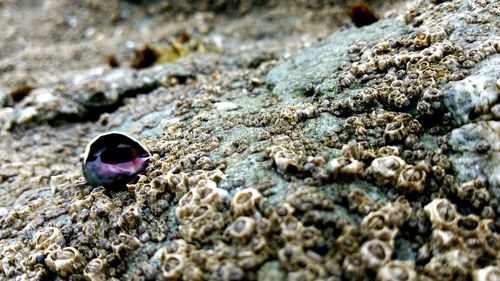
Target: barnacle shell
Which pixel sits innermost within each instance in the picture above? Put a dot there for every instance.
(388, 151)
(48, 236)
(412, 179)
(96, 270)
(290, 228)
(205, 193)
(245, 201)
(227, 270)
(65, 261)
(353, 267)
(360, 201)
(459, 260)
(286, 161)
(124, 245)
(172, 266)
(469, 225)
(248, 259)
(242, 228)
(114, 159)
(292, 253)
(397, 270)
(375, 253)
(443, 239)
(378, 223)
(208, 192)
(386, 169)
(348, 241)
(442, 213)
(129, 218)
(394, 132)
(310, 236)
(186, 205)
(346, 166)
(489, 273)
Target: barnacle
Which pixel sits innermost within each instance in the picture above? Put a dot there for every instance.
(488, 273)
(178, 246)
(459, 261)
(48, 236)
(65, 261)
(293, 255)
(204, 222)
(310, 236)
(101, 206)
(228, 271)
(129, 218)
(249, 259)
(443, 239)
(489, 237)
(378, 224)
(388, 151)
(398, 271)
(172, 266)
(124, 244)
(205, 193)
(358, 200)
(386, 169)
(430, 36)
(345, 166)
(412, 179)
(290, 228)
(353, 267)
(452, 264)
(375, 253)
(242, 228)
(348, 242)
(186, 205)
(398, 99)
(468, 225)
(209, 193)
(246, 202)
(474, 192)
(96, 269)
(432, 94)
(442, 213)
(286, 160)
(394, 132)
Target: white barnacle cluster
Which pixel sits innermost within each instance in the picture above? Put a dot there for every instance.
(199, 210)
(288, 155)
(459, 241)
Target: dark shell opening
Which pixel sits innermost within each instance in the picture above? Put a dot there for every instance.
(114, 159)
(115, 148)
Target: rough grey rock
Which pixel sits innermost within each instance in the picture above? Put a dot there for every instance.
(474, 96)
(225, 124)
(476, 149)
(317, 64)
(88, 94)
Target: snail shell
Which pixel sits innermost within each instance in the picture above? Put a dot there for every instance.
(114, 159)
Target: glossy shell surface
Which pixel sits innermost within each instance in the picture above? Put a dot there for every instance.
(113, 159)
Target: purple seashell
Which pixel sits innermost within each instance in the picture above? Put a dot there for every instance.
(114, 159)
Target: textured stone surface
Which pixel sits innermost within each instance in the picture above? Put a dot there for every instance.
(473, 97)
(315, 65)
(281, 156)
(476, 150)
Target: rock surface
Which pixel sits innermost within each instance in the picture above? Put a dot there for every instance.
(287, 144)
